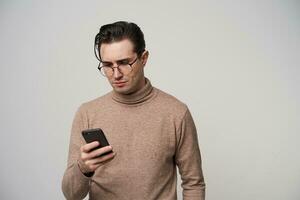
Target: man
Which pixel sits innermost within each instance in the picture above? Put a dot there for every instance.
(150, 132)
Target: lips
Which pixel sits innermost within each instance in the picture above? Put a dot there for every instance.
(119, 83)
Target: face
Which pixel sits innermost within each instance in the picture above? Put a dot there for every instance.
(117, 52)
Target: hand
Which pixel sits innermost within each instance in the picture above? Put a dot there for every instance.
(90, 160)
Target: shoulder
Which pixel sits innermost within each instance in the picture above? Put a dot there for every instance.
(170, 104)
(95, 104)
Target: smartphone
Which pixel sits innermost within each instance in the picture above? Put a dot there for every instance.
(91, 135)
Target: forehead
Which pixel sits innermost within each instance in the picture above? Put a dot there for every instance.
(116, 50)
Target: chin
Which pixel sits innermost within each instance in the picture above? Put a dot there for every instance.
(123, 90)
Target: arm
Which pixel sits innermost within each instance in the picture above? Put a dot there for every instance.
(188, 160)
(75, 185)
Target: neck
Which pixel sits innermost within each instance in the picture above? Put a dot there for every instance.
(141, 95)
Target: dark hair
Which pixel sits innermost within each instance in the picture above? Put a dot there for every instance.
(118, 31)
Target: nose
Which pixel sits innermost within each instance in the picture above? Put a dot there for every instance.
(117, 74)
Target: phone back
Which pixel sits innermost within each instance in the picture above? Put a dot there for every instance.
(91, 135)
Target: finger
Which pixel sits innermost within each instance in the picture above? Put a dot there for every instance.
(100, 151)
(102, 159)
(88, 147)
(99, 160)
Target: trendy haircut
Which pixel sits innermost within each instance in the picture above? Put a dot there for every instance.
(118, 31)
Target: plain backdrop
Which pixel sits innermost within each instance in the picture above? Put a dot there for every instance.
(234, 63)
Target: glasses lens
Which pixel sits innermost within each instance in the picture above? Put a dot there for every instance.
(107, 71)
(102, 69)
(125, 69)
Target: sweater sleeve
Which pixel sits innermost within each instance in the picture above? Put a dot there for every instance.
(188, 160)
(75, 185)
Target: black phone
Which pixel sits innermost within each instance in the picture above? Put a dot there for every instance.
(91, 135)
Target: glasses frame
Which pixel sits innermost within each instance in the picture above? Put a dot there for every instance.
(118, 67)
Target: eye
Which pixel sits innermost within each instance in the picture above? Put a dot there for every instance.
(106, 64)
(123, 62)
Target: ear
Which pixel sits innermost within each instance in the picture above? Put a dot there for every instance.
(144, 57)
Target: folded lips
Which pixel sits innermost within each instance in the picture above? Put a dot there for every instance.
(120, 82)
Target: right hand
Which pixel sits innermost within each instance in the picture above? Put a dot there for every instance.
(90, 160)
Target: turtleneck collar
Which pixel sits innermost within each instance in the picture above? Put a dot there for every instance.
(137, 97)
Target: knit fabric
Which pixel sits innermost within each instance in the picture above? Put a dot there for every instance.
(151, 133)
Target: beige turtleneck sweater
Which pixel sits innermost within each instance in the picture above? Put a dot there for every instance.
(152, 133)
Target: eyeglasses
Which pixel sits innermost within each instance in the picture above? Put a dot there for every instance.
(123, 66)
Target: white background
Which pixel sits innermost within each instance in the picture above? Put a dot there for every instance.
(234, 63)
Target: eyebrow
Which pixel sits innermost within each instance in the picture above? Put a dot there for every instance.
(124, 59)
